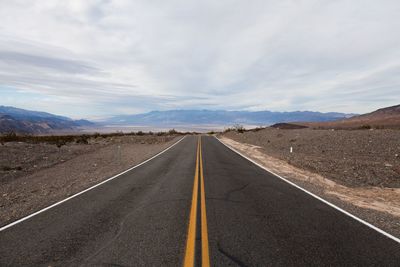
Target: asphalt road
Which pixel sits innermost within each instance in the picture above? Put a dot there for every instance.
(235, 213)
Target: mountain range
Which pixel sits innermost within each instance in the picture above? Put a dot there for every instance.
(388, 117)
(34, 122)
(220, 117)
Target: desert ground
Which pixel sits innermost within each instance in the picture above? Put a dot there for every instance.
(359, 170)
(39, 171)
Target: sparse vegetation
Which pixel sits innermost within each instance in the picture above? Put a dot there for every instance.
(365, 127)
(8, 168)
(61, 140)
(172, 131)
(227, 130)
(235, 128)
(239, 128)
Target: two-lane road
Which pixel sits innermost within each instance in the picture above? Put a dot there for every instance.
(240, 215)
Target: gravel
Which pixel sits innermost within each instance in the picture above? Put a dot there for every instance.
(349, 157)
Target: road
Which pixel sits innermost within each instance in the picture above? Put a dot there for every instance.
(199, 202)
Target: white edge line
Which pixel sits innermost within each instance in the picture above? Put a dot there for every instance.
(87, 189)
(315, 196)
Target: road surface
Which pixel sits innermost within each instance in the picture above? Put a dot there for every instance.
(198, 203)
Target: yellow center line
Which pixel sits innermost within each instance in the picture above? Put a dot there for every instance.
(205, 257)
(191, 238)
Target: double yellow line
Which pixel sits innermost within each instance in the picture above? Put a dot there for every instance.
(191, 238)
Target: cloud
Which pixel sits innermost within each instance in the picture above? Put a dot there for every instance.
(52, 63)
(108, 57)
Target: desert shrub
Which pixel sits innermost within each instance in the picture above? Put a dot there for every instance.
(61, 140)
(8, 168)
(365, 127)
(211, 132)
(172, 131)
(9, 137)
(239, 128)
(61, 143)
(227, 130)
(82, 139)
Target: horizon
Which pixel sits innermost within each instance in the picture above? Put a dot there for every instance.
(93, 59)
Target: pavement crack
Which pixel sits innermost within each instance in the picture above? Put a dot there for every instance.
(229, 193)
(231, 257)
(118, 233)
(122, 224)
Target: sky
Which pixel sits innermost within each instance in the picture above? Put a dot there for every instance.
(97, 58)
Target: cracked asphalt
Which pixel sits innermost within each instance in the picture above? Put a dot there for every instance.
(141, 219)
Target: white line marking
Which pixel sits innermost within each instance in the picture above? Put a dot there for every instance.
(315, 196)
(90, 188)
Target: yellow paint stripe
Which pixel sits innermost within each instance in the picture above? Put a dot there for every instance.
(205, 255)
(191, 237)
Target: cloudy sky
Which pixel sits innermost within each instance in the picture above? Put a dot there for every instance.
(95, 58)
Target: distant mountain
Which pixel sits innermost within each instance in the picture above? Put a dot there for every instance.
(34, 122)
(19, 113)
(221, 117)
(382, 118)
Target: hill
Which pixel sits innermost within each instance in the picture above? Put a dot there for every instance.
(220, 117)
(34, 122)
(388, 117)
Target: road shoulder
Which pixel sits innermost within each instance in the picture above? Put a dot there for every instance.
(378, 206)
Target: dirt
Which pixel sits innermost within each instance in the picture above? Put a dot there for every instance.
(33, 176)
(353, 158)
(377, 205)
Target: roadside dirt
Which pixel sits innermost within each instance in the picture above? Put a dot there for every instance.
(377, 205)
(33, 176)
(353, 158)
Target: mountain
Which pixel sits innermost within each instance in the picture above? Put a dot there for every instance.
(19, 113)
(388, 117)
(220, 117)
(34, 122)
